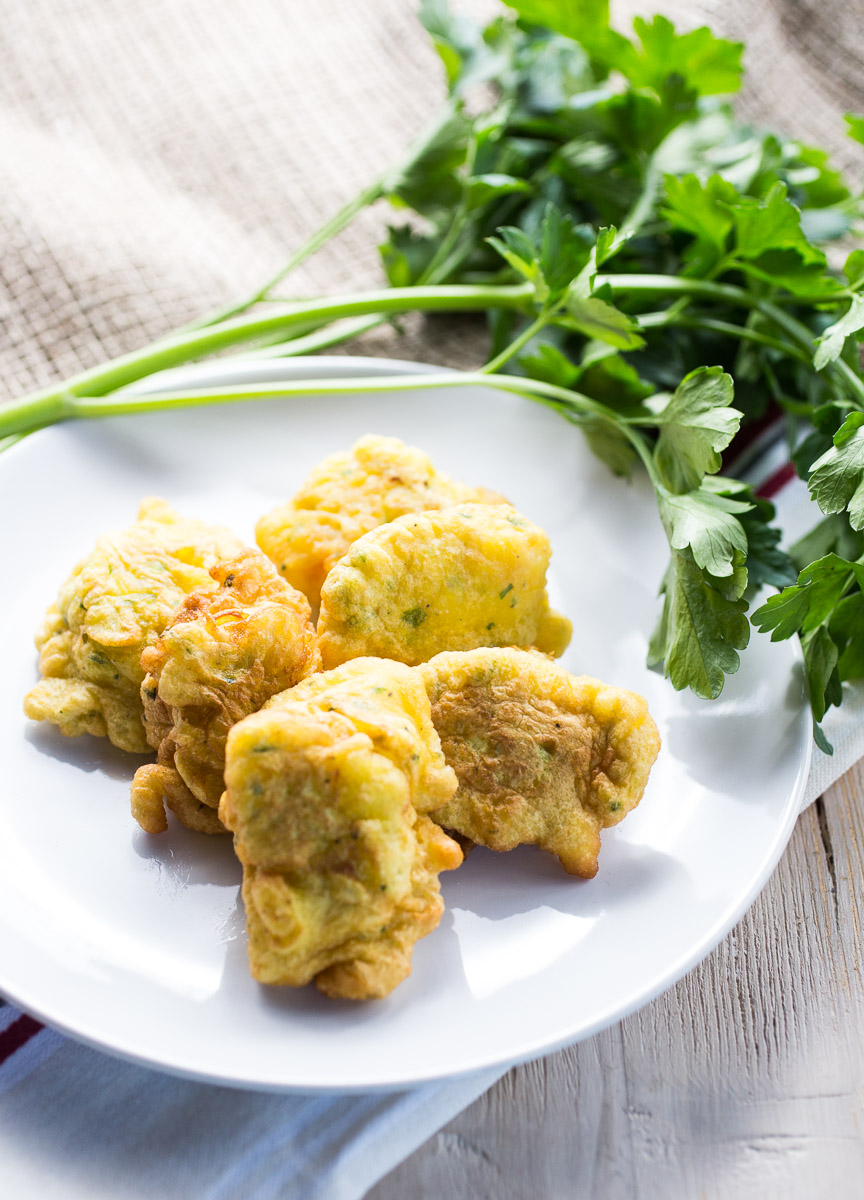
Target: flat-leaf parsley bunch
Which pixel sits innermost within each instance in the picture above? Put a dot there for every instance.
(651, 269)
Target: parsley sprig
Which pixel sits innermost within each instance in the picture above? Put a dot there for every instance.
(652, 269)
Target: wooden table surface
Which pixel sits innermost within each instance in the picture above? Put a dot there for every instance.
(746, 1080)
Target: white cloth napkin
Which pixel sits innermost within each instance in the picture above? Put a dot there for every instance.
(78, 1125)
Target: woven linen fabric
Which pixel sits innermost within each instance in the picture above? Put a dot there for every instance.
(158, 160)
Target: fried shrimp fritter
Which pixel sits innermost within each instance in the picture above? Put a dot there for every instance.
(327, 790)
(222, 655)
(345, 496)
(115, 603)
(541, 756)
(473, 575)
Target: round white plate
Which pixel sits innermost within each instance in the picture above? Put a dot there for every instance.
(136, 944)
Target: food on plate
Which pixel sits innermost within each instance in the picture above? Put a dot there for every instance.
(116, 602)
(541, 756)
(327, 788)
(355, 762)
(347, 495)
(452, 579)
(221, 656)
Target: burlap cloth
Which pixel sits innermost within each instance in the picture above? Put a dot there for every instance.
(158, 159)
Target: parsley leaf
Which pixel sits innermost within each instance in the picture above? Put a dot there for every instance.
(585, 21)
(854, 269)
(823, 679)
(695, 424)
(701, 209)
(700, 630)
(855, 126)
(492, 186)
(559, 261)
(771, 223)
(827, 619)
(595, 318)
(709, 65)
(831, 535)
(837, 478)
(459, 43)
(610, 445)
(428, 181)
(770, 244)
(808, 603)
(405, 255)
(766, 562)
(547, 363)
(705, 522)
(605, 438)
(845, 625)
(552, 259)
(830, 345)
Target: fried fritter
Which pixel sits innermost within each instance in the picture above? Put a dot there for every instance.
(222, 655)
(115, 603)
(541, 756)
(326, 791)
(473, 575)
(345, 496)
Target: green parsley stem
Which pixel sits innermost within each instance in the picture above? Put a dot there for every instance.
(321, 339)
(518, 342)
(52, 404)
(124, 402)
(49, 405)
(729, 293)
(680, 285)
(669, 317)
(839, 368)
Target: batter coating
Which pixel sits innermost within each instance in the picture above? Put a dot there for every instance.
(541, 756)
(116, 602)
(326, 791)
(345, 496)
(222, 655)
(473, 575)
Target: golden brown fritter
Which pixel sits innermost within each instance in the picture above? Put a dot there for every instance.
(115, 603)
(541, 756)
(473, 575)
(326, 791)
(345, 496)
(222, 655)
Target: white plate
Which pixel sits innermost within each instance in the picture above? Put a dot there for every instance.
(136, 944)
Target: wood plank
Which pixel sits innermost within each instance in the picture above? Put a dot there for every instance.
(744, 1080)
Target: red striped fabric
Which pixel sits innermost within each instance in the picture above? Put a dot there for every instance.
(17, 1034)
(753, 439)
(776, 481)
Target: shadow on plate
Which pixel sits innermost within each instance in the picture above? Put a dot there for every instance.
(499, 886)
(188, 858)
(722, 739)
(85, 752)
